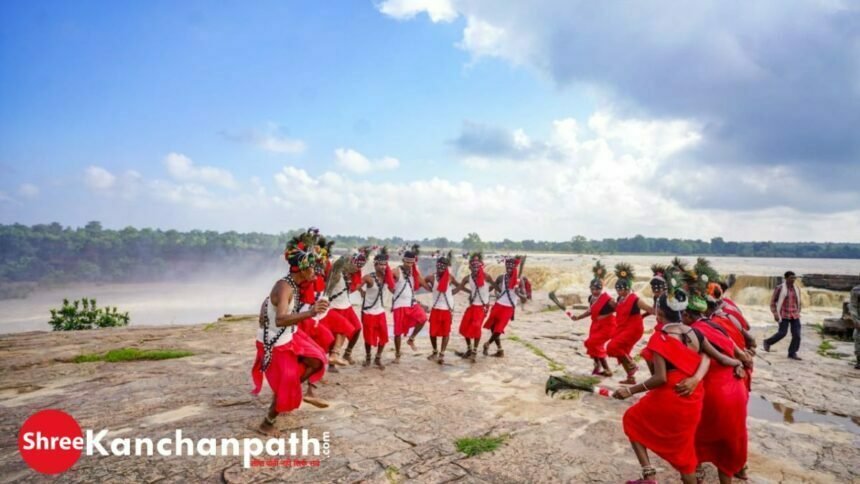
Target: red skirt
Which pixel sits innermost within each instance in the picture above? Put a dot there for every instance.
(470, 325)
(351, 318)
(285, 371)
(721, 437)
(625, 338)
(338, 324)
(500, 316)
(318, 332)
(375, 329)
(598, 334)
(406, 318)
(665, 423)
(440, 323)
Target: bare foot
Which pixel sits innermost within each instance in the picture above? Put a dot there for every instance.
(378, 362)
(348, 358)
(396, 359)
(499, 354)
(441, 359)
(486, 348)
(316, 402)
(411, 343)
(463, 354)
(267, 430)
(337, 360)
(366, 362)
(433, 356)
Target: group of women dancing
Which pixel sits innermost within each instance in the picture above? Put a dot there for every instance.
(699, 355)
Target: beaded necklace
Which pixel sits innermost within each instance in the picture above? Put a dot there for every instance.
(268, 345)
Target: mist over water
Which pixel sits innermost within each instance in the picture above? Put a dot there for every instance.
(239, 289)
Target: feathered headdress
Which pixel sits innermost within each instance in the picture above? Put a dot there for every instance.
(411, 252)
(300, 252)
(625, 275)
(658, 280)
(678, 264)
(599, 271)
(382, 255)
(676, 296)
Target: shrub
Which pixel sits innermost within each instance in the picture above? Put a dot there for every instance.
(84, 314)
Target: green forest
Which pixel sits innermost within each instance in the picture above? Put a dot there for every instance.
(53, 253)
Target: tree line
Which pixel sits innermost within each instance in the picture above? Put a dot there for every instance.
(52, 253)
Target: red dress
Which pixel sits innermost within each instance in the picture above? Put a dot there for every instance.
(663, 421)
(601, 329)
(629, 328)
(739, 340)
(721, 437)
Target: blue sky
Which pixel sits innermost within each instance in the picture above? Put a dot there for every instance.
(430, 118)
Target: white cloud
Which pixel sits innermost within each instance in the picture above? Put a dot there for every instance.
(28, 190)
(97, 178)
(355, 162)
(437, 10)
(182, 168)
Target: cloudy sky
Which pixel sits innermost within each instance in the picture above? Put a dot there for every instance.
(422, 118)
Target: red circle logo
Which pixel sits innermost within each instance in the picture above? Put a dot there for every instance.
(50, 441)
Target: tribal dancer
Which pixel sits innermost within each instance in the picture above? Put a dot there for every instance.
(288, 357)
(742, 339)
(372, 311)
(664, 421)
(441, 311)
(341, 302)
(602, 312)
(629, 325)
(508, 290)
(407, 312)
(475, 284)
(342, 324)
(721, 436)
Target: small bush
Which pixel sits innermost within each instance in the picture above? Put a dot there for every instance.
(132, 354)
(84, 314)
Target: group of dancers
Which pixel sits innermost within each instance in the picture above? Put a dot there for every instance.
(699, 355)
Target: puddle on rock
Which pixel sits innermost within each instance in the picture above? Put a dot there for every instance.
(761, 408)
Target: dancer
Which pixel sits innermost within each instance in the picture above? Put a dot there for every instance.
(508, 290)
(475, 284)
(664, 421)
(341, 302)
(373, 318)
(285, 356)
(441, 311)
(629, 322)
(602, 312)
(405, 309)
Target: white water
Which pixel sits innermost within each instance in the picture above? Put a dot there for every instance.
(167, 303)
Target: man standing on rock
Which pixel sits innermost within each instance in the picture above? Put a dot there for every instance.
(854, 309)
(785, 306)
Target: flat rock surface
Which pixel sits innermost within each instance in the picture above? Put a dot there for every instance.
(401, 423)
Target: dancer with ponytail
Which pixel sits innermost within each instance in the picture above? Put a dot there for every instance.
(287, 357)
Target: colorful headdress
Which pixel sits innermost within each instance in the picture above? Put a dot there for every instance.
(359, 257)
(300, 252)
(676, 296)
(599, 271)
(625, 275)
(412, 252)
(382, 255)
(658, 280)
(678, 264)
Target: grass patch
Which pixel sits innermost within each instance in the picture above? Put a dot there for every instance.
(553, 365)
(392, 474)
(550, 309)
(819, 328)
(472, 446)
(825, 349)
(131, 354)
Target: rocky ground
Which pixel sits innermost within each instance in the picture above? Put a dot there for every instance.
(401, 423)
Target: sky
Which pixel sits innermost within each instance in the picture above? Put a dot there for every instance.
(435, 118)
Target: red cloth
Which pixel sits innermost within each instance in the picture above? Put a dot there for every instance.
(721, 437)
(416, 277)
(319, 283)
(601, 330)
(738, 338)
(307, 292)
(500, 316)
(443, 280)
(389, 278)
(514, 281)
(717, 338)
(663, 421)
(528, 288)
(406, 318)
(354, 281)
(735, 313)
(338, 324)
(349, 315)
(470, 325)
(375, 328)
(285, 371)
(481, 276)
(628, 329)
(440, 323)
(319, 333)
